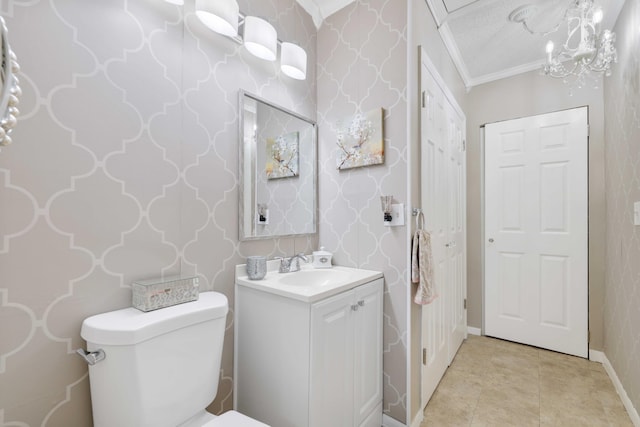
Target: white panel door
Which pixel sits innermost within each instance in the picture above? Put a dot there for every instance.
(433, 163)
(536, 205)
(456, 247)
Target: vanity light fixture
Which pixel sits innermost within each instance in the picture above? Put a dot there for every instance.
(220, 16)
(259, 37)
(293, 61)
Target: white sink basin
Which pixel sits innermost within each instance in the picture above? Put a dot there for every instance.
(308, 284)
(313, 277)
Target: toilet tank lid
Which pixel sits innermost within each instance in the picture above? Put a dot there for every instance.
(131, 326)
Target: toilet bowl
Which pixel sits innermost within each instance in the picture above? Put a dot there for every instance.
(160, 368)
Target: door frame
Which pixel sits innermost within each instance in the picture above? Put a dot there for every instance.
(483, 209)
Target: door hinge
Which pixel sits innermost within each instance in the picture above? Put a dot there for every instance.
(465, 303)
(464, 145)
(424, 101)
(424, 356)
(588, 131)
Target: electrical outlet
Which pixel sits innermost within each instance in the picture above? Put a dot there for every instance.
(264, 218)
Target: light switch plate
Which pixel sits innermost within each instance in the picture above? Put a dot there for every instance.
(397, 215)
(636, 213)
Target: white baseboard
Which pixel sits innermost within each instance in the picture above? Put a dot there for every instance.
(418, 419)
(388, 421)
(596, 356)
(474, 331)
(633, 412)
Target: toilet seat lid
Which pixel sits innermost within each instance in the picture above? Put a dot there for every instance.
(234, 419)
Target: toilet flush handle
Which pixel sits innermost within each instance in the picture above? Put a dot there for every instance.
(92, 357)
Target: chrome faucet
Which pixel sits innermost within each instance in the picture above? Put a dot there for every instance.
(287, 265)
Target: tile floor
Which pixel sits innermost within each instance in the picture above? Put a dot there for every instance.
(498, 383)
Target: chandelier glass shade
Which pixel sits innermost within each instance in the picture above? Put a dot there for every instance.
(587, 48)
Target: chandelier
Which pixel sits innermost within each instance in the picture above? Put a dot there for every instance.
(587, 48)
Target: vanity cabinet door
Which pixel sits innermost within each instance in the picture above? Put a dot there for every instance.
(332, 345)
(367, 365)
(346, 359)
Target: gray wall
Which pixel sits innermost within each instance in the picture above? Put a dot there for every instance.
(622, 133)
(124, 166)
(520, 96)
(362, 56)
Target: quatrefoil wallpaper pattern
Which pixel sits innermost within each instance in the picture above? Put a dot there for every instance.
(622, 180)
(125, 166)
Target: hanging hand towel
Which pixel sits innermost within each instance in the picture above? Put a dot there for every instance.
(422, 268)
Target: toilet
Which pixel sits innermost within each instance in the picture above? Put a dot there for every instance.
(160, 368)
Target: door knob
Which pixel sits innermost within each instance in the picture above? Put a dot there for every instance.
(491, 240)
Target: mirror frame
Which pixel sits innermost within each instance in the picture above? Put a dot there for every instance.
(241, 232)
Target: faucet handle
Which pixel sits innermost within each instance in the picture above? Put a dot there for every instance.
(285, 264)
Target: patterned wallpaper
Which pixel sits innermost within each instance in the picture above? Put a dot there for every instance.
(124, 166)
(622, 134)
(362, 56)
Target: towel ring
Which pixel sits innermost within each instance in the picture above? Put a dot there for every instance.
(419, 220)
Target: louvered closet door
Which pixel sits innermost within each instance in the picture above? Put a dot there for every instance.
(536, 201)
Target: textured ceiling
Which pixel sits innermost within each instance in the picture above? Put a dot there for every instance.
(486, 46)
(483, 43)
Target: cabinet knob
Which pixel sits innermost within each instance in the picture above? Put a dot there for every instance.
(361, 303)
(354, 307)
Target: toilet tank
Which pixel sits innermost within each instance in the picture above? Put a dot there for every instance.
(161, 367)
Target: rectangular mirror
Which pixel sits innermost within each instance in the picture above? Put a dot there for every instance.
(278, 176)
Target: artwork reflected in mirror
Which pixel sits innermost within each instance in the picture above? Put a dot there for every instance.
(278, 185)
(282, 156)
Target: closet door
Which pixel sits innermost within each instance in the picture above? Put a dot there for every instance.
(536, 230)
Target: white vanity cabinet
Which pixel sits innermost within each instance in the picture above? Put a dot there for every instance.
(315, 364)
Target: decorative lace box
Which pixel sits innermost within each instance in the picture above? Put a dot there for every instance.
(153, 294)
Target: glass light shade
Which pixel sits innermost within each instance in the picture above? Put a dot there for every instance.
(220, 16)
(549, 47)
(260, 38)
(597, 16)
(293, 61)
